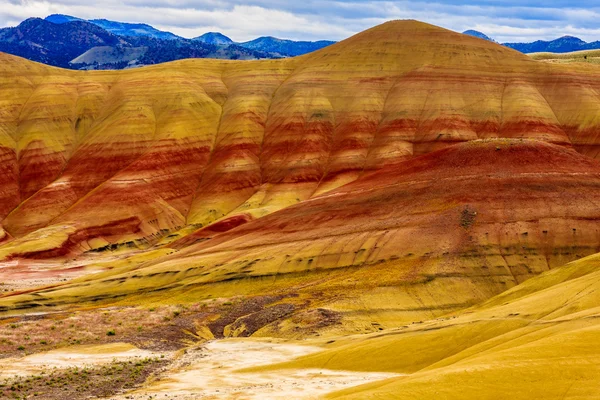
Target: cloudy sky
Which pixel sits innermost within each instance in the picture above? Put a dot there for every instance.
(504, 20)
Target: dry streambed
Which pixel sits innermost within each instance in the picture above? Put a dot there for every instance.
(209, 371)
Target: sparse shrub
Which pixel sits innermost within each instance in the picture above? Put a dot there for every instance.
(467, 217)
(111, 333)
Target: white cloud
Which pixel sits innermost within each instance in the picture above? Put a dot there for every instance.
(505, 20)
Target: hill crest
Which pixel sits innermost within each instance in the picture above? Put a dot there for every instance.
(191, 153)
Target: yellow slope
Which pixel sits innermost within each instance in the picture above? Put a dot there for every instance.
(537, 340)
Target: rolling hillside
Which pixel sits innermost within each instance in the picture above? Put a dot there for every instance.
(412, 200)
(536, 340)
(193, 157)
(412, 241)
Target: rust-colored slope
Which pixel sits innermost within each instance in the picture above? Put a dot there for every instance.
(499, 209)
(134, 156)
(414, 240)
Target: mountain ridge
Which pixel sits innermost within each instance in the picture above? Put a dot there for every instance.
(268, 44)
(478, 34)
(285, 47)
(563, 44)
(214, 38)
(117, 28)
(79, 44)
(138, 44)
(55, 43)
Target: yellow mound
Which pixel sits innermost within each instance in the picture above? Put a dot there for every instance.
(537, 340)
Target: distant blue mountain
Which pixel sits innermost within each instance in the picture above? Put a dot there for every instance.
(80, 44)
(117, 28)
(565, 44)
(288, 48)
(478, 34)
(128, 29)
(214, 38)
(274, 46)
(54, 44)
(268, 44)
(61, 18)
(70, 42)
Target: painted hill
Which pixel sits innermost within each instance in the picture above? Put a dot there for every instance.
(424, 123)
(411, 199)
(424, 224)
(187, 156)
